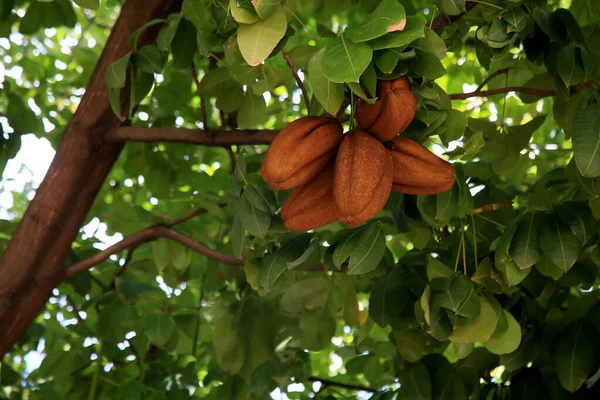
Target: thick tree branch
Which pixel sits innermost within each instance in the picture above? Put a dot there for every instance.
(289, 62)
(491, 92)
(215, 138)
(329, 382)
(34, 261)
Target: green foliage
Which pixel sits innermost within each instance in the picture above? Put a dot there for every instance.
(486, 291)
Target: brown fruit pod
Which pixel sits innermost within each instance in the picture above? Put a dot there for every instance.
(419, 171)
(391, 113)
(363, 178)
(310, 206)
(300, 151)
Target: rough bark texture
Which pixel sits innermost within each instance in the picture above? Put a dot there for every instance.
(34, 261)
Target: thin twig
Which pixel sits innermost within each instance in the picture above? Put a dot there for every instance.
(290, 63)
(464, 246)
(492, 207)
(491, 92)
(202, 103)
(474, 239)
(492, 76)
(349, 386)
(197, 328)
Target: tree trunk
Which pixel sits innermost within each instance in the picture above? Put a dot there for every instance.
(34, 261)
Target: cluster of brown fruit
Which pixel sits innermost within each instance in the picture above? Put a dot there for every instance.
(348, 177)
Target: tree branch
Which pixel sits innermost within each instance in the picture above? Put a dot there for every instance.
(215, 138)
(152, 233)
(147, 235)
(491, 92)
(287, 58)
(492, 76)
(328, 382)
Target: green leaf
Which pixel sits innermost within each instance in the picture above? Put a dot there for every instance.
(446, 205)
(90, 4)
(230, 97)
(346, 246)
(307, 294)
(252, 111)
(458, 296)
(160, 253)
(243, 15)
(310, 250)
(513, 275)
(150, 59)
(437, 269)
(210, 83)
(389, 298)
(427, 65)
(228, 343)
(417, 383)
(260, 196)
(413, 30)
(257, 41)
(456, 124)
(184, 45)
(266, 8)
(238, 237)
(575, 356)
(558, 243)
(159, 328)
(386, 60)
(179, 255)
(452, 7)
(389, 16)
(273, 265)
(318, 326)
(167, 33)
(480, 328)
(586, 141)
(345, 61)
(301, 55)
(411, 344)
(570, 66)
(329, 94)
(524, 247)
(508, 340)
(431, 42)
(264, 378)
(367, 255)
(255, 221)
(117, 72)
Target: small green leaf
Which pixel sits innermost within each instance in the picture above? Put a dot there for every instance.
(310, 250)
(150, 59)
(452, 7)
(89, 4)
(524, 247)
(159, 328)
(570, 66)
(586, 141)
(427, 65)
(431, 42)
(160, 253)
(252, 111)
(413, 30)
(417, 383)
(302, 55)
(389, 16)
(257, 41)
(266, 8)
(345, 61)
(117, 72)
(329, 94)
(273, 265)
(345, 247)
(255, 221)
(437, 269)
(366, 257)
(446, 205)
(480, 328)
(507, 341)
(184, 45)
(167, 33)
(209, 85)
(238, 237)
(243, 15)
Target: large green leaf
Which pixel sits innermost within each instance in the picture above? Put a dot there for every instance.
(575, 356)
(570, 66)
(369, 252)
(480, 328)
(273, 265)
(431, 42)
(524, 247)
(345, 61)
(586, 140)
(508, 340)
(427, 65)
(389, 16)
(159, 328)
(558, 243)
(258, 40)
(329, 94)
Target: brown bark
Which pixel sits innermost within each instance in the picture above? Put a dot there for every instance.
(34, 261)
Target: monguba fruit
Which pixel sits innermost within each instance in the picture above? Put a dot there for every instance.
(310, 206)
(363, 178)
(300, 151)
(419, 171)
(391, 113)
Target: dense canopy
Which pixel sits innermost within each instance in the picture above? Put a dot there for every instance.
(153, 260)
